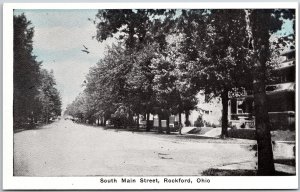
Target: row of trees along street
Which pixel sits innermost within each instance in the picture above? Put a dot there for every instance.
(36, 100)
(163, 58)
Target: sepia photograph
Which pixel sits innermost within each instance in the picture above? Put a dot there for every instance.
(150, 97)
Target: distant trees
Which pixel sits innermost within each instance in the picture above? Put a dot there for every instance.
(35, 97)
(76, 108)
(140, 80)
(48, 97)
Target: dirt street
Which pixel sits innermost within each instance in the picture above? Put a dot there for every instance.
(64, 148)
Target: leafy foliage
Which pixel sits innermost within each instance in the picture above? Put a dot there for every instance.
(49, 98)
(35, 97)
(163, 58)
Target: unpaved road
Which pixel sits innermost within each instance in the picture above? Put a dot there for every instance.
(65, 148)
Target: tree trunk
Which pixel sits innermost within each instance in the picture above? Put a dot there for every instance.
(98, 121)
(262, 123)
(35, 119)
(168, 124)
(159, 124)
(187, 121)
(148, 122)
(47, 118)
(224, 97)
(32, 119)
(104, 121)
(101, 121)
(138, 122)
(124, 122)
(130, 118)
(179, 124)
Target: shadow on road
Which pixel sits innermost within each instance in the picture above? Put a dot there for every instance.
(33, 127)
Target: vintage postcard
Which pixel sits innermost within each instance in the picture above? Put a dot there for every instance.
(150, 96)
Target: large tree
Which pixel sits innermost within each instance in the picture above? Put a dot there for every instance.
(35, 95)
(260, 24)
(26, 71)
(173, 90)
(138, 29)
(216, 56)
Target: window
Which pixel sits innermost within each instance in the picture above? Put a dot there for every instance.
(233, 106)
(240, 106)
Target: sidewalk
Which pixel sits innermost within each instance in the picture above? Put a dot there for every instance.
(283, 150)
(212, 133)
(288, 169)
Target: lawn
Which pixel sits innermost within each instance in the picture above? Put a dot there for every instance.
(278, 135)
(237, 172)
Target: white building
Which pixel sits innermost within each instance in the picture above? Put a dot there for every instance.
(211, 111)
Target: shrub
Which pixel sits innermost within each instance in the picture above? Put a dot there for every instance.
(119, 118)
(242, 133)
(208, 124)
(243, 125)
(187, 123)
(230, 125)
(199, 122)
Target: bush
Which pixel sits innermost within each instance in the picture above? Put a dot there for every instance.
(230, 125)
(208, 124)
(243, 125)
(242, 133)
(187, 123)
(119, 118)
(199, 122)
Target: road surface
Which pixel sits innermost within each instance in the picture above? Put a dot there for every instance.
(64, 148)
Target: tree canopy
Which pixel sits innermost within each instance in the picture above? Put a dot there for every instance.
(35, 95)
(163, 58)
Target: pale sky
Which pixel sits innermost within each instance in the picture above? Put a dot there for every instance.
(58, 40)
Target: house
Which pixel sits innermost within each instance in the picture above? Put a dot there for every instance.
(280, 98)
(210, 112)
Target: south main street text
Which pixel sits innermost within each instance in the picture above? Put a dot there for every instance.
(153, 180)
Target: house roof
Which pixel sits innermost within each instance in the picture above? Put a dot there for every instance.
(286, 64)
(277, 89)
(271, 89)
(288, 52)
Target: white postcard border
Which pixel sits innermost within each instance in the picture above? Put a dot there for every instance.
(17, 182)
